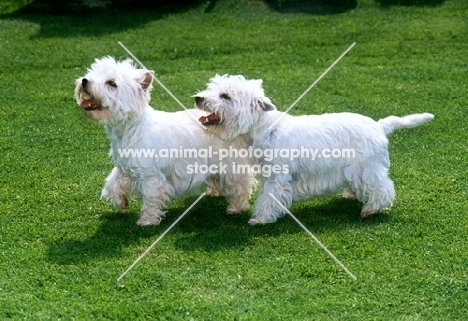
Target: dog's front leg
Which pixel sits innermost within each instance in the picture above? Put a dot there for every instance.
(155, 192)
(117, 189)
(213, 189)
(267, 209)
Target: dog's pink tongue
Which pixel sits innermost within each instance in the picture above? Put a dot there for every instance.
(89, 104)
(209, 120)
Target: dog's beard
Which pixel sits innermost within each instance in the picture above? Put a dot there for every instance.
(92, 106)
(212, 121)
(85, 99)
(220, 125)
(212, 118)
(220, 119)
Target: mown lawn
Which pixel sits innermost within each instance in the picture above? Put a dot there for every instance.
(62, 249)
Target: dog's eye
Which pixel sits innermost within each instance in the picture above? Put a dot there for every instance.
(111, 83)
(225, 96)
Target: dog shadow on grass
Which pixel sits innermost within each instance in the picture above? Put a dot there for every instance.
(116, 231)
(205, 228)
(218, 231)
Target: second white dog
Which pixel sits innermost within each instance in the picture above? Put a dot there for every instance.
(237, 106)
(117, 94)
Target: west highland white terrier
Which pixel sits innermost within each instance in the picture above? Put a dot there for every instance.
(158, 155)
(313, 155)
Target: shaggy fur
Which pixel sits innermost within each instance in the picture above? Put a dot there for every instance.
(239, 107)
(117, 94)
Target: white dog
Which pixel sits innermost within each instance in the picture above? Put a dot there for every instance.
(237, 106)
(117, 94)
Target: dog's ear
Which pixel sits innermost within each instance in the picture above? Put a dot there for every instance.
(265, 104)
(147, 79)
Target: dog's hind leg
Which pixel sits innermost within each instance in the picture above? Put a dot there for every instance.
(267, 209)
(379, 198)
(117, 189)
(373, 187)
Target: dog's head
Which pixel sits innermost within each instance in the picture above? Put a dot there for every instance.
(113, 91)
(234, 105)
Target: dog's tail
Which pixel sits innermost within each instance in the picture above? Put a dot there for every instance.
(392, 123)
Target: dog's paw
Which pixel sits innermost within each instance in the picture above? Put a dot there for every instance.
(254, 221)
(145, 221)
(367, 213)
(349, 195)
(233, 210)
(212, 192)
(151, 218)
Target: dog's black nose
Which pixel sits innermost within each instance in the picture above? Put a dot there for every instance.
(84, 82)
(199, 100)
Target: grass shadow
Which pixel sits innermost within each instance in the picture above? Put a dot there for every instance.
(419, 3)
(90, 25)
(116, 231)
(334, 213)
(318, 7)
(218, 231)
(65, 20)
(204, 229)
(70, 7)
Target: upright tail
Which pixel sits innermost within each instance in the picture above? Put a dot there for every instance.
(392, 123)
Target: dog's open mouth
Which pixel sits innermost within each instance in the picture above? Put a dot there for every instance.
(211, 119)
(90, 104)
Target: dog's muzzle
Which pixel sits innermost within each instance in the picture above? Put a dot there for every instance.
(88, 104)
(211, 119)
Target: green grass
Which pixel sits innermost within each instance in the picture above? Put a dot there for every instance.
(62, 249)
